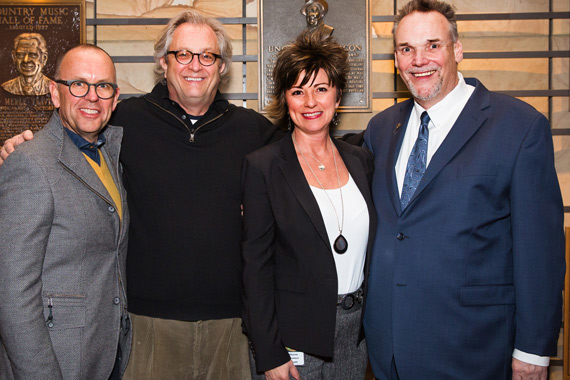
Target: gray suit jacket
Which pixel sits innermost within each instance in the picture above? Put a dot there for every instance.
(62, 251)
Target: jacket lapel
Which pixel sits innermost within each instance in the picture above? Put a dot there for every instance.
(394, 150)
(356, 170)
(295, 179)
(111, 150)
(358, 173)
(73, 161)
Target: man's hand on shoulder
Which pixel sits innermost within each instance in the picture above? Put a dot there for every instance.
(527, 371)
(13, 142)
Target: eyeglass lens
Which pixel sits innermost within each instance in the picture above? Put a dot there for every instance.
(103, 90)
(184, 57)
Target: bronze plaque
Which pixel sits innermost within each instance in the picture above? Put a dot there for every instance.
(33, 35)
(281, 22)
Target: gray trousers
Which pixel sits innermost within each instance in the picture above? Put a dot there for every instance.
(349, 359)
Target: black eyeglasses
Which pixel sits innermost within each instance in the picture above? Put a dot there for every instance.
(184, 57)
(80, 88)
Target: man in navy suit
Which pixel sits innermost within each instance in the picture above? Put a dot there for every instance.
(468, 262)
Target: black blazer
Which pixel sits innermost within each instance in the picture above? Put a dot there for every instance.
(290, 280)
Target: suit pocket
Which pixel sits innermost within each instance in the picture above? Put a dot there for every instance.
(64, 311)
(65, 327)
(290, 283)
(487, 295)
(477, 171)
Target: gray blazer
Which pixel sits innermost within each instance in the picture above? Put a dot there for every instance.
(62, 251)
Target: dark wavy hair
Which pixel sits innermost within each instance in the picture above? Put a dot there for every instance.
(310, 52)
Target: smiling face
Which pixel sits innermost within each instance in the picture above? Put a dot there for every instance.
(427, 57)
(88, 115)
(313, 105)
(193, 86)
(28, 58)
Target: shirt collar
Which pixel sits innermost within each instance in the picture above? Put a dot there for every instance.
(170, 104)
(89, 148)
(161, 96)
(439, 113)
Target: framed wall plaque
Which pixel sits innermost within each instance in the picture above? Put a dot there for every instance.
(33, 35)
(281, 22)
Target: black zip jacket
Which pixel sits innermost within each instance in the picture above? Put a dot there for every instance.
(184, 193)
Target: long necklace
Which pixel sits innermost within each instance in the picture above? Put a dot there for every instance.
(340, 244)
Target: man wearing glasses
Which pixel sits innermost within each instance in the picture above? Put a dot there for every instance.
(182, 153)
(63, 235)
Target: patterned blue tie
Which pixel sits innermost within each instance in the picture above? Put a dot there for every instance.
(416, 163)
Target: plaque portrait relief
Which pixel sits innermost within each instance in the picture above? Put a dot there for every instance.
(280, 22)
(30, 56)
(314, 12)
(33, 35)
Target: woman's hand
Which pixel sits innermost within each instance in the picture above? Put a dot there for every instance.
(282, 372)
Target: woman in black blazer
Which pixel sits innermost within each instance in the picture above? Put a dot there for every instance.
(308, 224)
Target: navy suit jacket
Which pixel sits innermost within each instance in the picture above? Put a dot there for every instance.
(474, 266)
(289, 273)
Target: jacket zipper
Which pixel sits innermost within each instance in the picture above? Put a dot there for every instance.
(95, 191)
(50, 297)
(192, 134)
(63, 295)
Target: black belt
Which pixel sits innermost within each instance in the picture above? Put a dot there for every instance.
(347, 301)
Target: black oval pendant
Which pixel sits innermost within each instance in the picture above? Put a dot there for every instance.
(340, 244)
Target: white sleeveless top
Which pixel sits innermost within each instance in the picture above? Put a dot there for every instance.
(349, 265)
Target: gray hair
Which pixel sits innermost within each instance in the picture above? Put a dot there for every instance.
(192, 17)
(425, 6)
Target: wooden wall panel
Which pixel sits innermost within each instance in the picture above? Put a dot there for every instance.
(512, 74)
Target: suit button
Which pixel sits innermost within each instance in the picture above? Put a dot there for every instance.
(111, 209)
(116, 301)
(400, 236)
